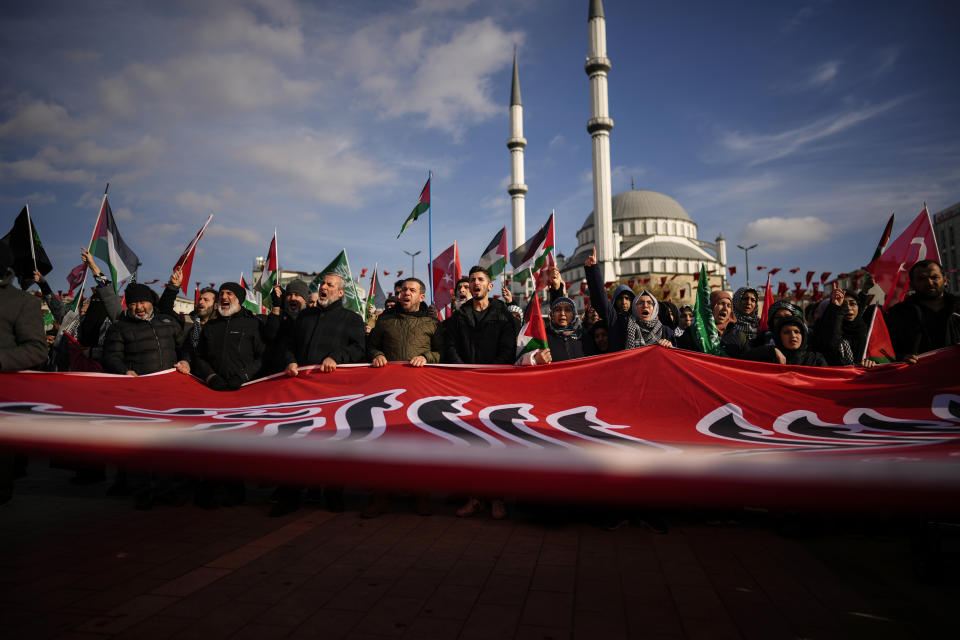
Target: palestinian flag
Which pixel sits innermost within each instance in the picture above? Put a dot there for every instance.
(884, 239)
(533, 334)
(270, 275)
(27, 250)
(535, 254)
(494, 258)
(352, 299)
(376, 298)
(250, 302)
(110, 247)
(185, 262)
(704, 327)
(879, 346)
(421, 207)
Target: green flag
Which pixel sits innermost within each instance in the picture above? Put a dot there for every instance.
(352, 299)
(704, 327)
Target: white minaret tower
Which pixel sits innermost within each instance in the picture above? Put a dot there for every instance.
(516, 143)
(599, 126)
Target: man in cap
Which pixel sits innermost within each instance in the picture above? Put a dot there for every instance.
(231, 344)
(278, 328)
(144, 338)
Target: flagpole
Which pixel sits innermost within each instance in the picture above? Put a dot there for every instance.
(33, 252)
(83, 283)
(430, 236)
(373, 279)
(276, 250)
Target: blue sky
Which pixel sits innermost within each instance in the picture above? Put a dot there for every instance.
(796, 125)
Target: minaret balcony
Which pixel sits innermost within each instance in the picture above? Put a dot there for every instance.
(517, 189)
(597, 65)
(514, 143)
(599, 124)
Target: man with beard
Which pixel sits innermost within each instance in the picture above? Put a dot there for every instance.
(231, 344)
(461, 292)
(278, 326)
(481, 331)
(202, 312)
(328, 334)
(615, 313)
(927, 320)
(411, 334)
(144, 339)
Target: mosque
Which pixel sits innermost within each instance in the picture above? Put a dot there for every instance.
(643, 238)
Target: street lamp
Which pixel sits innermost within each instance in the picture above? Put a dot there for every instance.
(746, 257)
(413, 264)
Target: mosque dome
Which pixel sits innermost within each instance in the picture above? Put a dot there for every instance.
(640, 203)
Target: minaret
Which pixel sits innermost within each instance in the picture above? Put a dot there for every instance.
(516, 143)
(599, 126)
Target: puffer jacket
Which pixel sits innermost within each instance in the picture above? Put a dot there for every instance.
(143, 346)
(404, 336)
(616, 320)
(22, 343)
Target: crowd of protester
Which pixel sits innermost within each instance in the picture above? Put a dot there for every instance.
(225, 345)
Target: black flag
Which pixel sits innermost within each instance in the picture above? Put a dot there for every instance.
(19, 240)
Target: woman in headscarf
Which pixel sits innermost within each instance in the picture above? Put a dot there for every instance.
(841, 332)
(790, 345)
(644, 327)
(564, 335)
(721, 305)
(684, 320)
(738, 338)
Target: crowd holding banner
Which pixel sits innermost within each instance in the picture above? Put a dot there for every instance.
(227, 343)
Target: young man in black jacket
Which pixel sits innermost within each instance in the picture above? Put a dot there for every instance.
(481, 330)
(927, 320)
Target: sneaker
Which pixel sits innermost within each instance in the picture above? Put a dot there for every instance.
(472, 506)
(498, 509)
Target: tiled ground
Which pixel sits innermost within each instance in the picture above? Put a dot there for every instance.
(76, 564)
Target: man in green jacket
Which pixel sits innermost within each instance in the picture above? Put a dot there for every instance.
(409, 334)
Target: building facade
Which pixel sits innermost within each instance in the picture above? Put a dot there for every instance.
(946, 226)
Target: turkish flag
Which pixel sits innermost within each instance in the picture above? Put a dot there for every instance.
(733, 270)
(810, 275)
(891, 270)
(767, 301)
(446, 272)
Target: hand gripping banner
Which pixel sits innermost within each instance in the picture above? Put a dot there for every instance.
(649, 426)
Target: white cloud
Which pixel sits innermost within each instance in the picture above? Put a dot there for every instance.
(449, 83)
(779, 234)
(713, 192)
(824, 73)
(122, 213)
(803, 14)
(205, 202)
(229, 25)
(40, 170)
(442, 6)
(886, 60)
(35, 198)
(44, 119)
(164, 229)
(325, 166)
(246, 236)
(206, 83)
(556, 141)
(758, 148)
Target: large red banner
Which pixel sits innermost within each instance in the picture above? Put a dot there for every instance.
(651, 425)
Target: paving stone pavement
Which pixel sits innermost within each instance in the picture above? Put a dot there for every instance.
(76, 564)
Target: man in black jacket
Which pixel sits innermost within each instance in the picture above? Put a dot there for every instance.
(144, 339)
(927, 320)
(481, 330)
(328, 335)
(231, 344)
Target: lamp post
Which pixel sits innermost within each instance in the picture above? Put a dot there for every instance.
(413, 264)
(746, 258)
